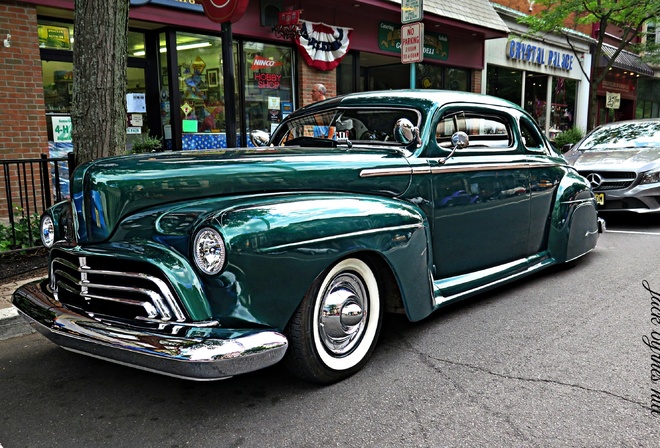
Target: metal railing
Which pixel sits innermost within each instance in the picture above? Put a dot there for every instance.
(30, 187)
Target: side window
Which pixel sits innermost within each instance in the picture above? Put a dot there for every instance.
(485, 131)
(531, 137)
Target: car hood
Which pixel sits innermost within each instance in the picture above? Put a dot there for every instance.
(638, 159)
(107, 190)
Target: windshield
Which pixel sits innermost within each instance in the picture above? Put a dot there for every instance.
(354, 125)
(629, 135)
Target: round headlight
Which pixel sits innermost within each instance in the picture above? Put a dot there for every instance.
(209, 251)
(47, 231)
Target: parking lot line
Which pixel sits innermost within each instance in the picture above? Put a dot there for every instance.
(633, 231)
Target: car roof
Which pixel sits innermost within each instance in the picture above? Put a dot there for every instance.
(425, 98)
(636, 121)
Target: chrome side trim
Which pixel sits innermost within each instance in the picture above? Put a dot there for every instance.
(375, 172)
(345, 235)
(480, 167)
(440, 299)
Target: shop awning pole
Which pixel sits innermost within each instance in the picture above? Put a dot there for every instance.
(229, 84)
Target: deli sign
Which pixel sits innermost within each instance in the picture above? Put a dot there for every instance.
(221, 11)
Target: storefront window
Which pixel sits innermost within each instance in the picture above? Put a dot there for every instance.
(504, 83)
(648, 98)
(198, 81)
(58, 95)
(58, 86)
(457, 79)
(268, 84)
(59, 36)
(428, 76)
(535, 97)
(381, 72)
(345, 76)
(563, 105)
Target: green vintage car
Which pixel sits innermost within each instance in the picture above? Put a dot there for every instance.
(208, 264)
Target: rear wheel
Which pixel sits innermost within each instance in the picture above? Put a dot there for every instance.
(334, 330)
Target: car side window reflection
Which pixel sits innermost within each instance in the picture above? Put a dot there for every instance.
(485, 131)
(531, 137)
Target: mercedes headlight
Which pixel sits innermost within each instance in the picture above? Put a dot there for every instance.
(47, 231)
(651, 178)
(209, 251)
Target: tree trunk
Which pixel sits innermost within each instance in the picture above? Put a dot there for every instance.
(98, 114)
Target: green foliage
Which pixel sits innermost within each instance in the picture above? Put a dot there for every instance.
(23, 227)
(564, 16)
(569, 137)
(146, 143)
(557, 15)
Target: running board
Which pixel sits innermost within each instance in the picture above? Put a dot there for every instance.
(504, 273)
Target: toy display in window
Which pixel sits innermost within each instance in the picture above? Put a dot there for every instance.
(194, 84)
(213, 119)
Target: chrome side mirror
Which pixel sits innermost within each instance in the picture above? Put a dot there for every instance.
(460, 140)
(259, 138)
(406, 133)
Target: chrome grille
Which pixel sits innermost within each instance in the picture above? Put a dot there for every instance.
(611, 180)
(95, 286)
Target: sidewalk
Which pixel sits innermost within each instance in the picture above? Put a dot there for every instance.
(11, 324)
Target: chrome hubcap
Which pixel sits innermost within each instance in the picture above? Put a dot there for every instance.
(343, 314)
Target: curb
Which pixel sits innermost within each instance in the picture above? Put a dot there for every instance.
(12, 324)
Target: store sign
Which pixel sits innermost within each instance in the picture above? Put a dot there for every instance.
(61, 129)
(538, 55)
(435, 46)
(221, 11)
(622, 85)
(180, 4)
(268, 80)
(54, 37)
(260, 62)
(612, 100)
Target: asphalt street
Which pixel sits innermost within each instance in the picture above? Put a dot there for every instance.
(557, 360)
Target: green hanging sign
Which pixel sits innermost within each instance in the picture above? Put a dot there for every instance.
(436, 45)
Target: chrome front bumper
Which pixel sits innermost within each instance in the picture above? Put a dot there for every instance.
(203, 355)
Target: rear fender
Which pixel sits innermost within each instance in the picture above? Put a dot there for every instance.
(574, 230)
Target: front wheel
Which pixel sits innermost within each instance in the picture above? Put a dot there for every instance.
(334, 330)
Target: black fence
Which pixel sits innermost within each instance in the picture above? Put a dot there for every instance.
(30, 187)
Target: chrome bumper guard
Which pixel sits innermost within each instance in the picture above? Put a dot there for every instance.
(203, 355)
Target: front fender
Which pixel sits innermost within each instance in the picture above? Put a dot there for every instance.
(278, 246)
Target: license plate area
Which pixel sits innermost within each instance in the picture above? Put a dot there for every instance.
(600, 198)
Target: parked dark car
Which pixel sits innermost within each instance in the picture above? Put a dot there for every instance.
(621, 160)
(208, 264)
